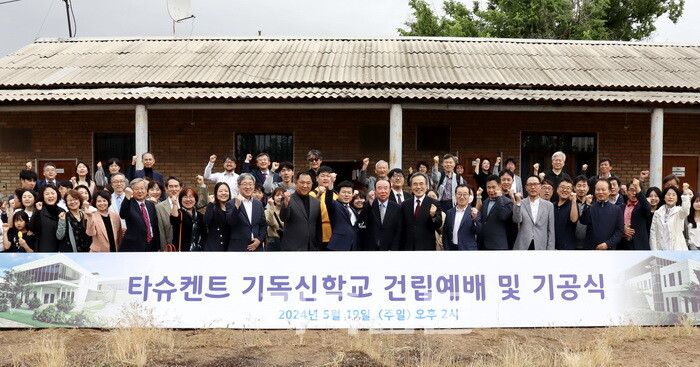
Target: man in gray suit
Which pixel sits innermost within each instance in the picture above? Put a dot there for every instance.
(301, 214)
(173, 186)
(536, 218)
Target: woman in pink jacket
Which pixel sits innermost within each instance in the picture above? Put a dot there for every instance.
(103, 226)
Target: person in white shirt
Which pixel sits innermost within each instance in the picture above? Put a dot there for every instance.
(229, 174)
(536, 218)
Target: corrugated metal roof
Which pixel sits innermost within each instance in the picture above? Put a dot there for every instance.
(306, 93)
(400, 62)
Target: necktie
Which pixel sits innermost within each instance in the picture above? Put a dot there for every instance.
(382, 211)
(399, 199)
(448, 189)
(144, 214)
(119, 201)
(347, 207)
(264, 176)
(415, 214)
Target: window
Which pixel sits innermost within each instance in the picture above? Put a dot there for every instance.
(680, 281)
(15, 139)
(280, 147)
(580, 149)
(672, 280)
(115, 145)
(432, 138)
(374, 137)
(674, 304)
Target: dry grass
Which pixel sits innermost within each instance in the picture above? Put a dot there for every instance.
(46, 349)
(134, 346)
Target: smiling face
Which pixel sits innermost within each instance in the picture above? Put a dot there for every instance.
(485, 165)
(314, 162)
(263, 162)
(604, 168)
(602, 190)
(155, 192)
(303, 185)
(140, 190)
(382, 190)
(614, 188)
(581, 188)
(324, 179)
(246, 188)
(533, 187)
(118, 184)
(418, 186)
(632, 193)
(506, 182)
(286, 174)
(20, 224)
(50, 172)
(73, 203)
(653, 199)
(173, 187)
(229, 165)
(102, 204)
(448, 165)
(84, 193)
(278, 198)
(27, 199)
(671, 198)
(381, 169)
(558, 162)
(50, 196)
(492, 188)
(113, 168)
(462, 193)
(188, 200)
(396, 181)
(223, 194)
(148, 160)
(359, 202)
(564, 190)
(345, 195)
(546, 191)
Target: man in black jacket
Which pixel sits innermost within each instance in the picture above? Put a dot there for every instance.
(384, 220)
(421, 217)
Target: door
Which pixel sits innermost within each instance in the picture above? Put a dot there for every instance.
(65, 168)
(685, 167)
(346, 170)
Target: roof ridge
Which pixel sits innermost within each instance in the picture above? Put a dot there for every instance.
(349, 39)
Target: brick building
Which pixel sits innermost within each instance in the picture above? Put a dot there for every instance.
(403, 100)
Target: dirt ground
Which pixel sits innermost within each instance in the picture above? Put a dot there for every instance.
(615, 346)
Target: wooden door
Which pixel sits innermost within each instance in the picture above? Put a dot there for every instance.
(684, 167)
(65, 168)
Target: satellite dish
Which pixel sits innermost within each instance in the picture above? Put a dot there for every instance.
(179, 9)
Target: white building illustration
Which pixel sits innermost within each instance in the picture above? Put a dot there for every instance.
(664, 282)
(58, 276)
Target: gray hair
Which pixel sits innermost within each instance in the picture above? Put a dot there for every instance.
(381, 161)
(450, 156)
(245, 176)
(137, 180)
(313, 152)
(117, 174)
(559, 153)
(410, 180)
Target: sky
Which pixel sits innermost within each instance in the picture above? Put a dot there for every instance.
(23, 21)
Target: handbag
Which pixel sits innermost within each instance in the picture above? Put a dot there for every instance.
(170, 247)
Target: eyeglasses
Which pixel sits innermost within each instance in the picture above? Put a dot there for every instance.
(314, 159)
(118, 181)
(565, 188)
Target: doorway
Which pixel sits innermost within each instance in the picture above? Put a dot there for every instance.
(685, 167)
(65, 168)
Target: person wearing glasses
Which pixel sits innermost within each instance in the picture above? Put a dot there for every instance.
(565, 216)
(315, 159)
(421, 217)
(536, 218)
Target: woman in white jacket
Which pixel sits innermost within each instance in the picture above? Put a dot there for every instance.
(669, 220)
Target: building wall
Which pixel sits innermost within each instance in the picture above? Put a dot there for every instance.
(183, 140)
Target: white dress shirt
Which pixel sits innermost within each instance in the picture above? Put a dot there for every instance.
(415, 202)
(459, 215)
(248, 205)
(230, 178)
(535, 208)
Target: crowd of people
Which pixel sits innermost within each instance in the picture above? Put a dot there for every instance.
(272, 207)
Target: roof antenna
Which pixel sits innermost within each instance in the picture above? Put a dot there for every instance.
(70, 30)
(179, 10)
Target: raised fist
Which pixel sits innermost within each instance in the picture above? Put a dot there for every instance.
(518, 198)
(29, 165)
(128, 192)
(99, 164)
(371, 195)
(287, 198)
(133, 160)
(239, 200)
(479, 192)
(212, 159)
(39, 205)
(211, 198)
(498, 160)
(536, 166)
(433, 210)
(275, 166)
(584, 167)
(62, 215)
(475, 212)
(436, 159)
(410, 171)
(200, 180)
(589, 199)
(248, 157)
(333, 176)
(644, 175)
(365, 163)
(321, 190)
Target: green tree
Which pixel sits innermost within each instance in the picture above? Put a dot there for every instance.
(554, 19)
(15, 285)
(65, 304)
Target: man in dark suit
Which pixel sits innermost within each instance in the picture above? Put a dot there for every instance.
(496, 216)
(246, 217)
(148, 160)
(396, 179)
(263, 163)
(384, 220)
(421, 217)
(343, 218)
(49, 176)
(462, 223)
(301, 215)
(141, 220)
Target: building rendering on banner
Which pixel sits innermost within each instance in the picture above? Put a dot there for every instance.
(403, 100)
(665, 283)
(58, 276)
